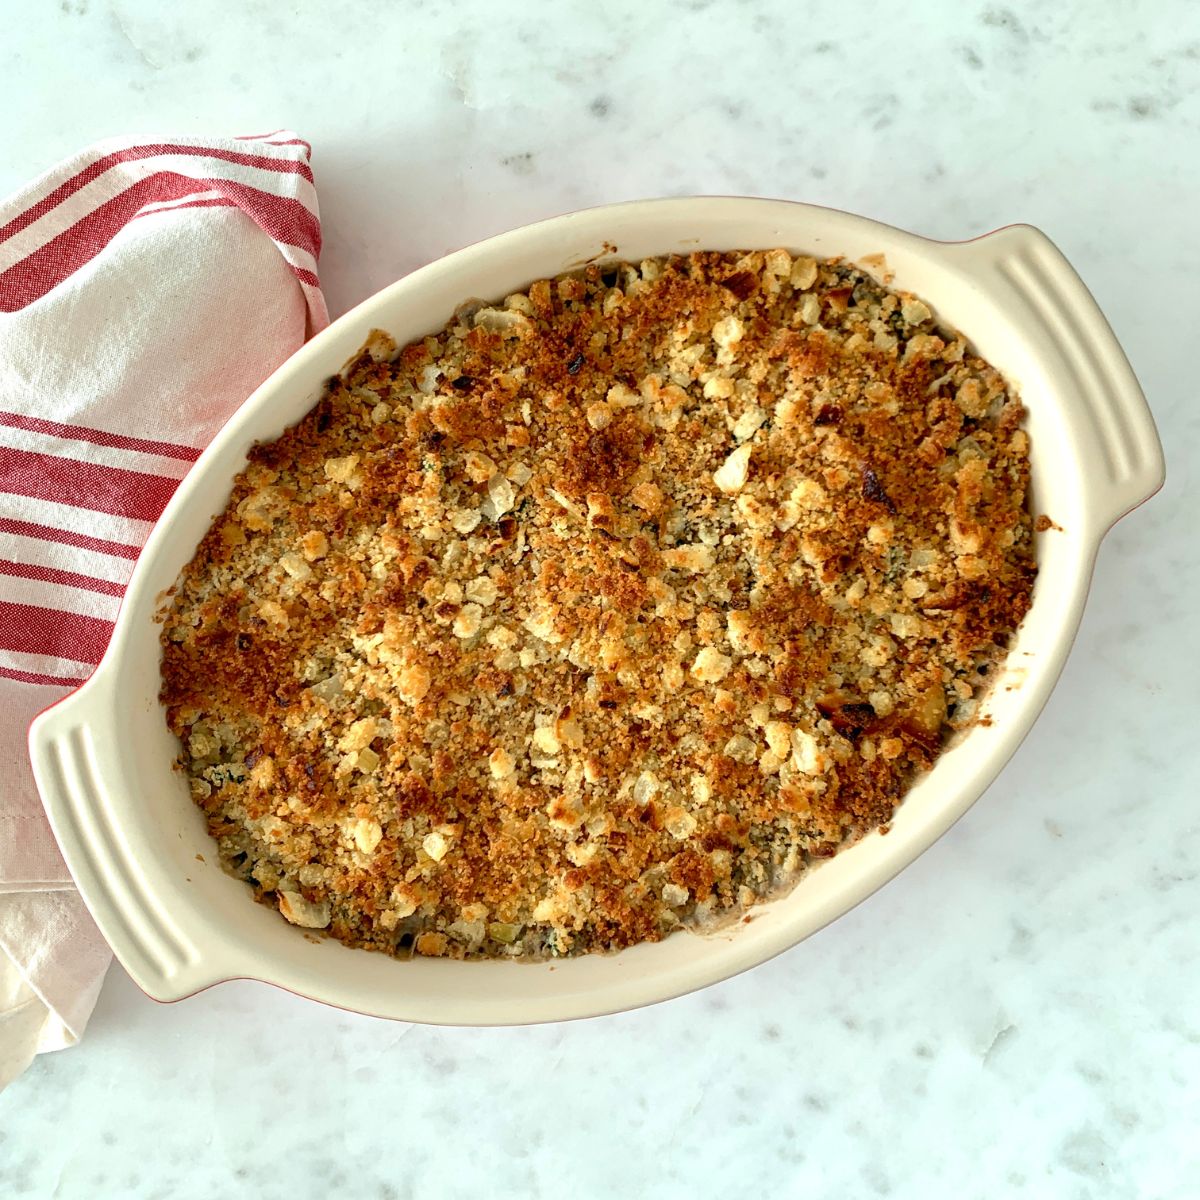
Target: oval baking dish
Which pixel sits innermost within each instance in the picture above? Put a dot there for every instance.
(137, 846)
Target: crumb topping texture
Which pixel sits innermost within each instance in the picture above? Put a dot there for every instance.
(604, 612)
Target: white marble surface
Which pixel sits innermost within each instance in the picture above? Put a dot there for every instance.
(1018, 1013)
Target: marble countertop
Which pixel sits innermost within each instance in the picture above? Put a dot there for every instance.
(1017, 1013)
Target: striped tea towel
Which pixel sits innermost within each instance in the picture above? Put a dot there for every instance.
(146, 288)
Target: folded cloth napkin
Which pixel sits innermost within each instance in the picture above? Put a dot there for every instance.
(146, 288)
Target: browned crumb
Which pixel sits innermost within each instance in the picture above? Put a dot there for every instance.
(605, 611)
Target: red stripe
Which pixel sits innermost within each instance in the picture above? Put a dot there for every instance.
(210, 202)
(110, 490)
(94, 170)
(283, 218)
(305, 275)
(67, 537)
(41, 574)
(31, 629)
(98, 437)
(269, 139)
(45, 680)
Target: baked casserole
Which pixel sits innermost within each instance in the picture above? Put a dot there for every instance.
(605, 612)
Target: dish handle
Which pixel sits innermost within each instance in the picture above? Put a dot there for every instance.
(68, 746)
(1102, 401)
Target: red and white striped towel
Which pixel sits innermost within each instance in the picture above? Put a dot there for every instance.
(146, 288)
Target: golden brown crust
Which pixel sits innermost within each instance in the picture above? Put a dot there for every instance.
(604, 611)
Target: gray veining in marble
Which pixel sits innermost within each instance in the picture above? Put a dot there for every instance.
(1018, 1013)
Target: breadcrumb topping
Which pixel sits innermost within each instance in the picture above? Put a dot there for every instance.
(604, 612)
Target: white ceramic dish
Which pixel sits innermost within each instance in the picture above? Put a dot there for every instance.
(134, 841)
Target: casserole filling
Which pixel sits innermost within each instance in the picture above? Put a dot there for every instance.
(606, 611)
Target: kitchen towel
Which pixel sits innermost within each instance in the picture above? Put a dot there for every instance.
(146, 288)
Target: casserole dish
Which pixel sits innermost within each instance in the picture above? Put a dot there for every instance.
(136, 843)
